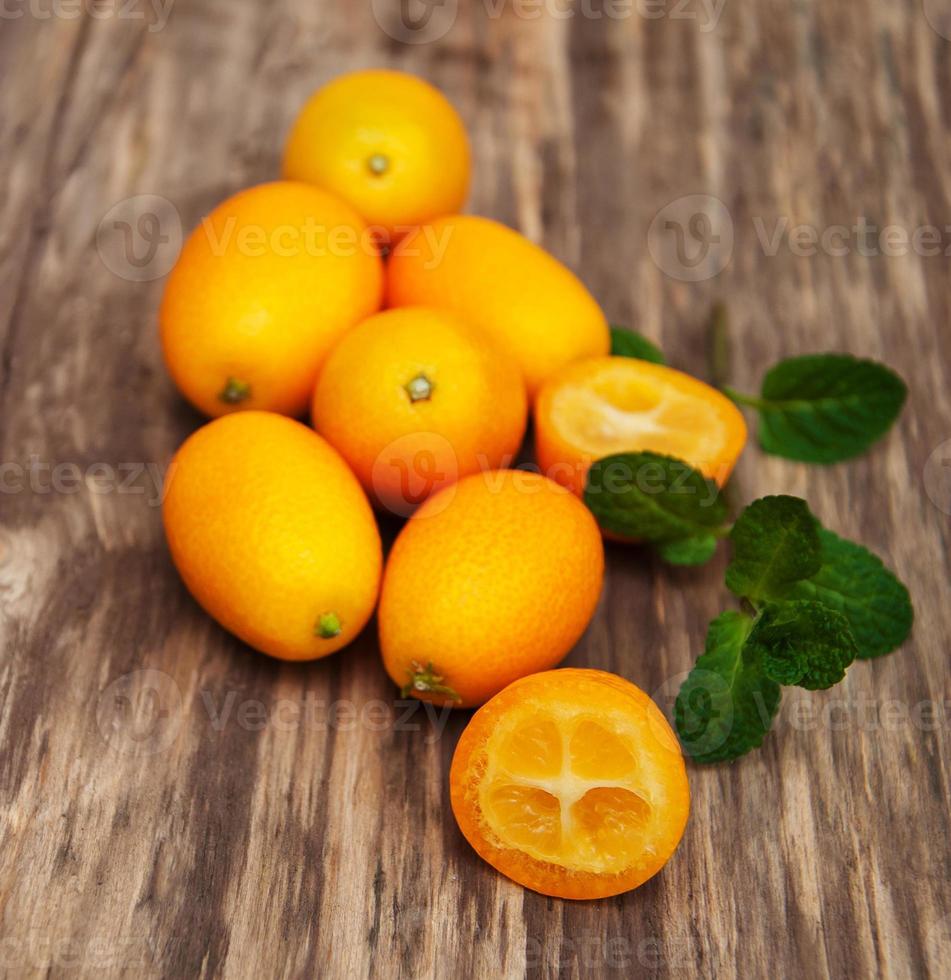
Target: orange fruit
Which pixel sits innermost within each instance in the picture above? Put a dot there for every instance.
(494, 577)
(571, 783)
(386, 142)
(606, 405)
(262, 288)
(273, 535)
(532, 306)
(414, 398)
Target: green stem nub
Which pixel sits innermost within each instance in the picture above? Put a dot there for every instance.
(234, 392)
(328, 626)
(378, 164)
(425, 680)
(419, 389)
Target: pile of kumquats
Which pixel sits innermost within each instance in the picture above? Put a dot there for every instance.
(417, 341)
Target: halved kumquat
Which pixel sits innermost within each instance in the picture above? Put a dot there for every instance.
(571, 783)
(605, 405)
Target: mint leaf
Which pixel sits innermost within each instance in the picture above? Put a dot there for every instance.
(688, 551)
(655, 498)
(802, 642)
(727, 703)
(854, 582)
(627, 343)
(775, 544)
(823, 408)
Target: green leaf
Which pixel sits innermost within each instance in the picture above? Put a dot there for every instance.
(649, 497)
(727, 703)
(855, 583)
(823, 408)
(688, 551)
(802, 642)
(775, 544)
(627, 343)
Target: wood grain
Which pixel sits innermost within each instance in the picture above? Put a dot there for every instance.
(176, 806)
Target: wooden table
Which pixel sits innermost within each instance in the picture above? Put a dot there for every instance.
(176, 805)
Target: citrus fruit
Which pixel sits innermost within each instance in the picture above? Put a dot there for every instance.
(492, 578)
(273, 535)
(530, 304)
(571, 783)
(388, 143)
(262, 288)
(414, 398)
(606, 405)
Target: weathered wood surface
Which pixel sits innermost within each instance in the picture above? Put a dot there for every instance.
(210, 827)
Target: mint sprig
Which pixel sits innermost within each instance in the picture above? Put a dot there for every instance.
(824, 408)
(628, 343)
(854, 582)
(727, 703)
(803, 643)
(775, 544)
(659, 500)
(818, 603)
